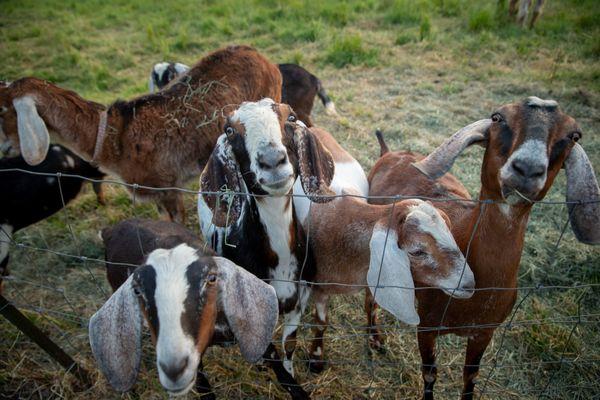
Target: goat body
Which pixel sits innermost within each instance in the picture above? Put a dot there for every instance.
(158, 140)
(29, 198)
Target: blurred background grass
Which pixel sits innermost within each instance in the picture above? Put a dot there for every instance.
(417, 69)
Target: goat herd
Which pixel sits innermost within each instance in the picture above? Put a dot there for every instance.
(285, 212)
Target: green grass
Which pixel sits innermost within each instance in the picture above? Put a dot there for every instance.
(417, 69)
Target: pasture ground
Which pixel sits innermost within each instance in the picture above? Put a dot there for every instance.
(417, 69)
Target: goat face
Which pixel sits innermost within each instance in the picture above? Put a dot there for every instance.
(258, 138)
(262, 151)
(435, 258)
(417, 248)
(182, 297)
(528, 144)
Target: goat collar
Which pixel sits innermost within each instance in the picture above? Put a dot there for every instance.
(99, 138)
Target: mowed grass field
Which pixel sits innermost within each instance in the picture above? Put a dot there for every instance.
(417, 69)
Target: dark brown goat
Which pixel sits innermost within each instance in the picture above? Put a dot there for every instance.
(157, 140)
(526, 145)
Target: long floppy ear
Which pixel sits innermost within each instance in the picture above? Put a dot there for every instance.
(315, 163)
(391, 267)
(222, 174)
(583, 186)
(441, 159)
(115, 332)
(250, 306)
(33, 134)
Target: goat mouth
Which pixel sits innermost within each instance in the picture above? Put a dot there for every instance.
(277, 185)
(181, 392)
(459, 293)
(515, 197)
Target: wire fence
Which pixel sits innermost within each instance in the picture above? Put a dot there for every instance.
(65, 318)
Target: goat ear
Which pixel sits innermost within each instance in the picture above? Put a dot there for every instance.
(222, 174)
(583, 186)
(33, 134)
(250, 306)
(115, 332)
(390, 266)
(315, 163)
(441, 159)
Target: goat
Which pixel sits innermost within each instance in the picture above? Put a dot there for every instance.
(190, 300)
(347, 237)
(526, 144)
(299, 87)
(163, 73)
(28, 198)
(158, 140)
(523, 10)
(254, 165)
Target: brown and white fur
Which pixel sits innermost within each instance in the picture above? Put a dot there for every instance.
(526, 144)
(157, 140)
(348, 237)
(260, 155)
(299, 87)
(189, 299)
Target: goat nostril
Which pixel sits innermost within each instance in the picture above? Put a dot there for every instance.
(174, 371)
(518, 167)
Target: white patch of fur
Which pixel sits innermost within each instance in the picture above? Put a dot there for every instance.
(321, 308)
(317, 352)
(291, 321)
(173, 343)
(70, 161)
(530, 151)
(431, 222)
(536, 101)
(160, 68)
(57, 149)
(349, 177)
(5, 238)
(277, 220)
(50, 181)
(262, 130)
(505, 209)
(330, 108)
(181, 68)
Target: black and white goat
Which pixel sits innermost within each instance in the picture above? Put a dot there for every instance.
(163, 73)
(299, 87)
(190, 300)
(26, 198)
(254, 165)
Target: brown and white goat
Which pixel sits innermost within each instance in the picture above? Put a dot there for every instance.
(158, 140)
(190, 300)
(299, 87)
(526, 144)
(251, 221)
(348, 236)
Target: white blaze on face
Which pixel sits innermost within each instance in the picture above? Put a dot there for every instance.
(262, 129)
(173, 343)
(432, 223)
(533, 151)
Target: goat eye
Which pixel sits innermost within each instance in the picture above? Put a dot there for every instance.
(137, 291)
(229, 131)
(417, 253)
(3, 110)
(292, 118)
(497, 117)
(575, 136)
(212, 278)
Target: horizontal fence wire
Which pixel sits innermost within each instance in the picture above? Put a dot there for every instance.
(61, 321)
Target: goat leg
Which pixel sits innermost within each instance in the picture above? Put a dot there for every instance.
(475, 348)
(523, 9)
(98, 189)
(316, 363)
(537, 10)
(285, 379)
(512, 8)
(428, 368)
(376, 340)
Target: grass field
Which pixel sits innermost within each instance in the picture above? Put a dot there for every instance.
(417, 69)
